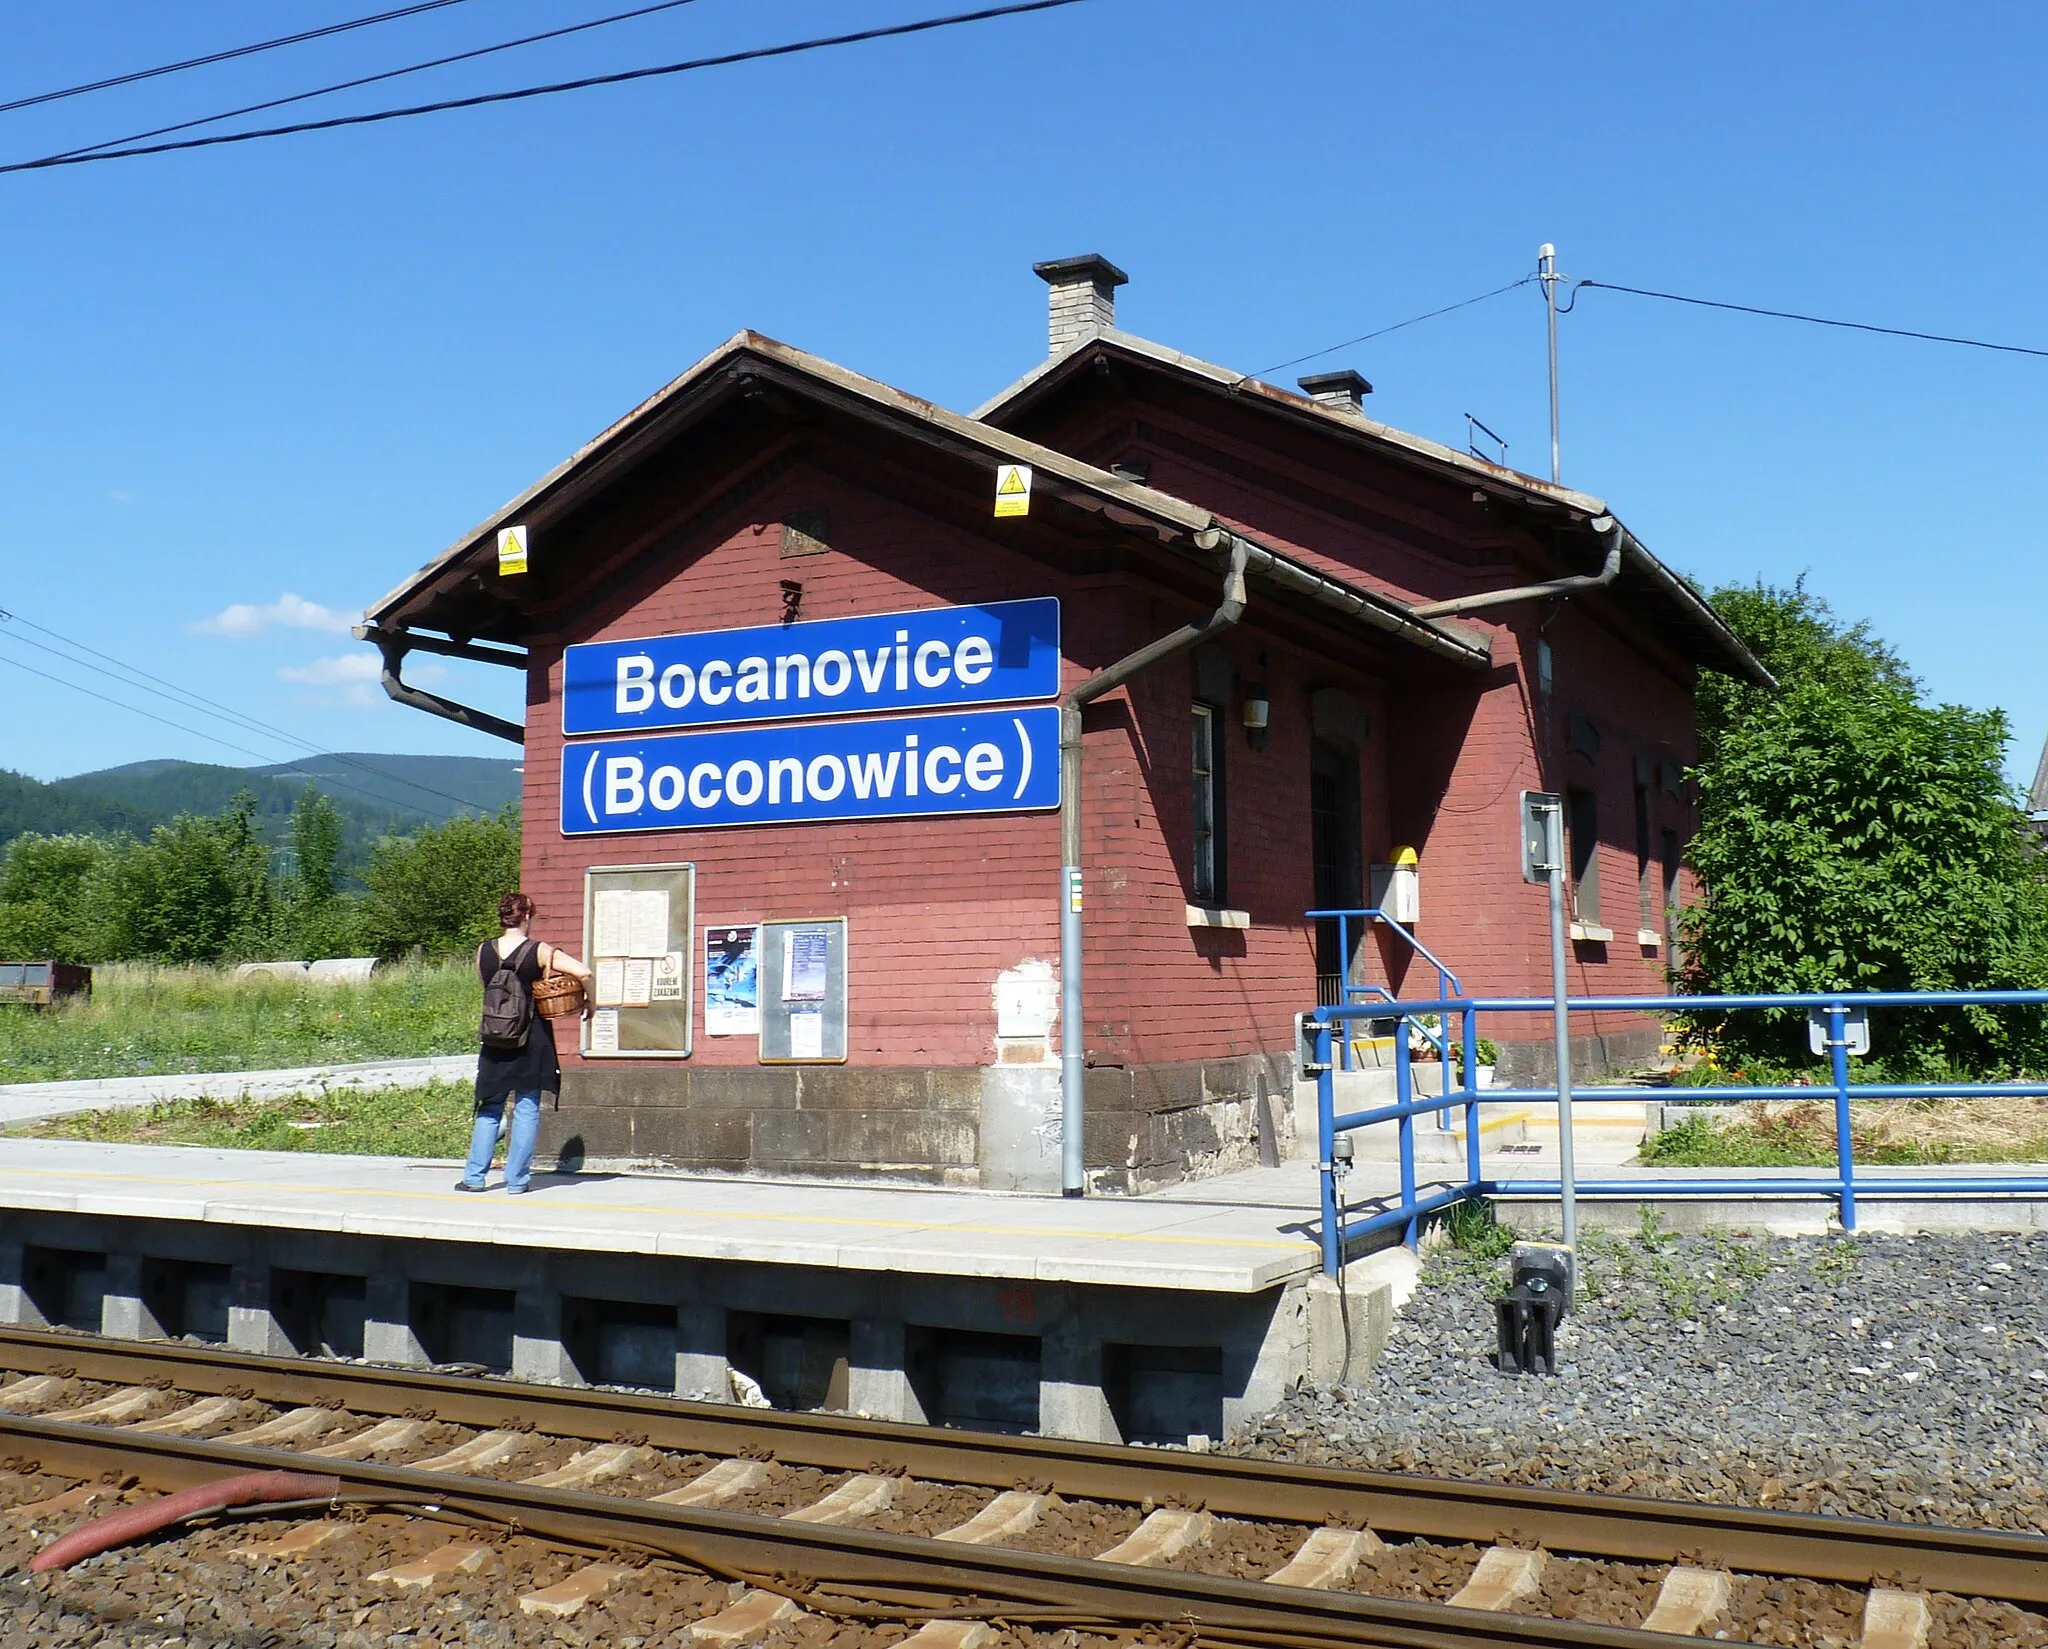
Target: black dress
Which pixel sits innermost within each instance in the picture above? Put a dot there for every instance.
(533, 1064)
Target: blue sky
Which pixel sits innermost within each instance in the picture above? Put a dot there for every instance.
(267, 382)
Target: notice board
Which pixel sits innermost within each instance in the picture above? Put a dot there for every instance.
(638, 922)
(803, 992)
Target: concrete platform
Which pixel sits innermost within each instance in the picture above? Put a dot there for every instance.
(1150, 1318)
(1130, 1242)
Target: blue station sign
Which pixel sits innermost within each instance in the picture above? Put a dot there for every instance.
(987, 761)
(1004, 652)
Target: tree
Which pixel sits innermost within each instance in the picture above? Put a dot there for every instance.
(317, 920)
(439, 887)
(42, 909)
(198, 890)
(1854, 837)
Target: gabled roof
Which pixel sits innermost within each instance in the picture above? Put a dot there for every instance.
(1160, 518)
(1710, 641)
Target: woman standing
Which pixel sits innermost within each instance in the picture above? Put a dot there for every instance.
(515, 1077)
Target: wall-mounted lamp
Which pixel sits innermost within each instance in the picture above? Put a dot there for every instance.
(792, 600)
(1258, 713)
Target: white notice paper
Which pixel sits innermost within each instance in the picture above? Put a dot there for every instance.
(805, 954)
(604, 1031)
(668, 978)
(639, 983)
(807, 1035)
(612, 919)
(649, 923)
(611, 981)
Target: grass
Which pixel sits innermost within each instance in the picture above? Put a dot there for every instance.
(430, 1121)
(1801, 1134)
(150, 1021)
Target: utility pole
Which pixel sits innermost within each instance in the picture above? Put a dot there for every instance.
(1546, 272)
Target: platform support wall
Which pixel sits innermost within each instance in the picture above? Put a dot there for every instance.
(702, 1372)
(17, 1306)
(879, 1382)
(537, 1349)
(1071, 1400)
(125, 1310)
(388, 1335)
(252, 1325)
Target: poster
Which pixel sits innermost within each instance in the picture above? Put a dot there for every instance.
(807, 1034)
(732, 998)
(612, 922)
(646, 922)
(668, 978)
(604, 1031)
(804, 957)
(637, 991)
(611, 980)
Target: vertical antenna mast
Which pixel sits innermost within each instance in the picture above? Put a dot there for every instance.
(1546, 272)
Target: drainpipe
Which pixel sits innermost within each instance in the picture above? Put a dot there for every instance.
(395, 644)
(1073, 1040)
(1605, 525)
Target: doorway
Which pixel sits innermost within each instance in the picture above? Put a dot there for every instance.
(1339, 863)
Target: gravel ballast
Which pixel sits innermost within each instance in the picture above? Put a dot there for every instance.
(1875, 1376)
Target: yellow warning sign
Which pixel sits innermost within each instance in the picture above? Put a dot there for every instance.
(511, 550)
(1013, 489)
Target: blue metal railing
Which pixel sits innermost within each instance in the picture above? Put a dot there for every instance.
(1361, 990)
(1339, 1232)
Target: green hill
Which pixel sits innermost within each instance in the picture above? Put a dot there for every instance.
(375, 794)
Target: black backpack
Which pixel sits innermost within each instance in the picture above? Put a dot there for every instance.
(508, 1004)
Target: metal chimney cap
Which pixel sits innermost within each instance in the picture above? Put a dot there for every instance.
(1347, 386)
(1089, 266)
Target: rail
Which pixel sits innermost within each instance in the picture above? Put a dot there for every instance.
(1414, 1204)
(927, 1577)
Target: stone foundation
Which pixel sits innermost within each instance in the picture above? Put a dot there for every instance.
(994, 1127)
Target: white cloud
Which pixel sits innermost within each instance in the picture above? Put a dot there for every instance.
(288, 611)
(353, 679)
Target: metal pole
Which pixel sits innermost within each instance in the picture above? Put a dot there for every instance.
(1326, 1144)
(1845, 1145)
(1546, 272)
(1561, 1030)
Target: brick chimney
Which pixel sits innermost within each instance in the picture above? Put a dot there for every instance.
(1339, 391)
(1083, 299)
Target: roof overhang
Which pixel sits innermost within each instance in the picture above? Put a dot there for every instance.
(432, 597)
(1707, 638)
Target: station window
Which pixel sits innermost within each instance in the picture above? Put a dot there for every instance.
(1582, 826)
(1646, 872)
(1668, 853)
(1209, 878)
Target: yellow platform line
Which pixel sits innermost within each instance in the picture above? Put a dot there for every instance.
(757, 1215)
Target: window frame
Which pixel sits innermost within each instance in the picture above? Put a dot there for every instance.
(1209, 859)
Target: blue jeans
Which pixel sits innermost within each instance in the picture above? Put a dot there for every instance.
(483, 1139)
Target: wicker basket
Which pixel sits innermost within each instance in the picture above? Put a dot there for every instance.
(557, 995)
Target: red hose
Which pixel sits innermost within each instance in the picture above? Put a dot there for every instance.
(133, 1522)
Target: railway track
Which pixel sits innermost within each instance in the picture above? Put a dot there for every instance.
(802, 1517)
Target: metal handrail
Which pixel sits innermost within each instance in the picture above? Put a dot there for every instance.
(1841, 1185)
(1447, 983)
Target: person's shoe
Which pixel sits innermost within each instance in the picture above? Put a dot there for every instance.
(517, 1190)
(464, 1185)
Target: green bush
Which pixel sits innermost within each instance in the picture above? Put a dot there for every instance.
(438, 888)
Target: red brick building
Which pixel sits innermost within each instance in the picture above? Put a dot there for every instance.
(1225, 789)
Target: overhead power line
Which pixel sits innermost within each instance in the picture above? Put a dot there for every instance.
(1413, 320)
(387, 74)
(185, 699)
(1813, 320)
(621, 77)
(229, 55)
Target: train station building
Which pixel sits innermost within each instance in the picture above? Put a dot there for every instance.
(818, 733)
